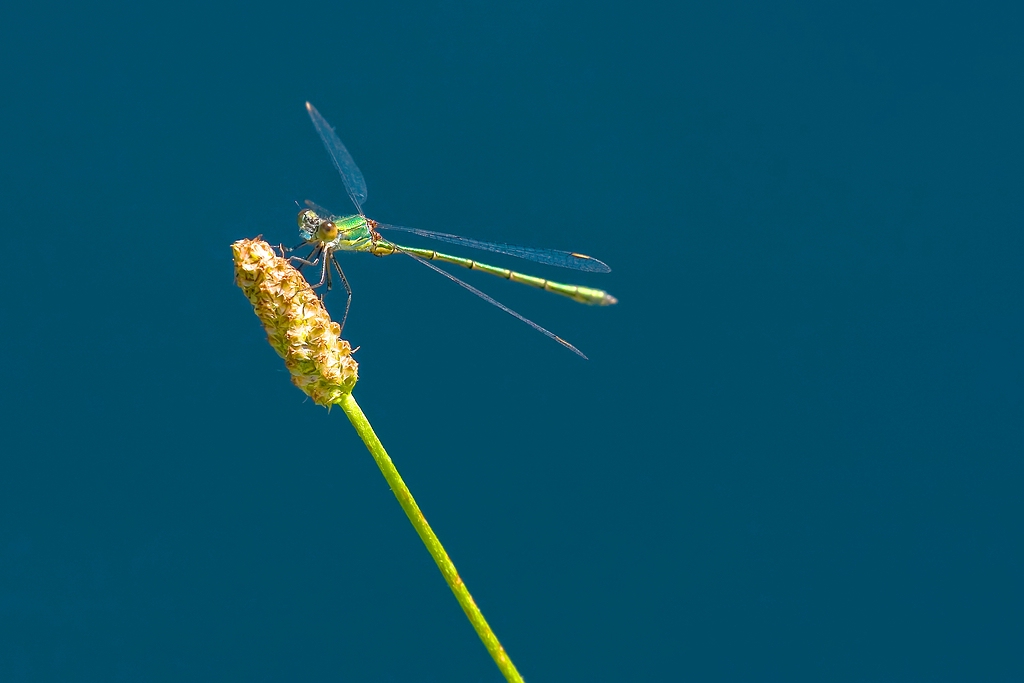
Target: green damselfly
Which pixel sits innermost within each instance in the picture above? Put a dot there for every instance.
(328, 233)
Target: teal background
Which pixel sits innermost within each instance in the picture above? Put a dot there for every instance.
(795, 453)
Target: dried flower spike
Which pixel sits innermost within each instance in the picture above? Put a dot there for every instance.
(297, 324)
(321, 364)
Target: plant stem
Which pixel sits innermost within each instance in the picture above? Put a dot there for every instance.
(419, 522)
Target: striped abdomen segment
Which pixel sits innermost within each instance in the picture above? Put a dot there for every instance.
(585, 295)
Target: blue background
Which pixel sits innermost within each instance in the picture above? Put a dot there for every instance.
(795, 453)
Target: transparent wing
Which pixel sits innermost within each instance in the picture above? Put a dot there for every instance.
(503, 307)
(551, 257)
(321, 211)
(353, 179)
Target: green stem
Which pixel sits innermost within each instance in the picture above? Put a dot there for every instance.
(419, 522)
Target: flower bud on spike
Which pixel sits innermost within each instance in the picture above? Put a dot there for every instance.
(297, 324)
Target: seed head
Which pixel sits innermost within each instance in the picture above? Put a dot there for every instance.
(297, 324)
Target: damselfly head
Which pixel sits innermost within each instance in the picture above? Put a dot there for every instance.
(309, 223)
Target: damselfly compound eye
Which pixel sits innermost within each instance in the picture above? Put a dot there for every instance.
(328, 231)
